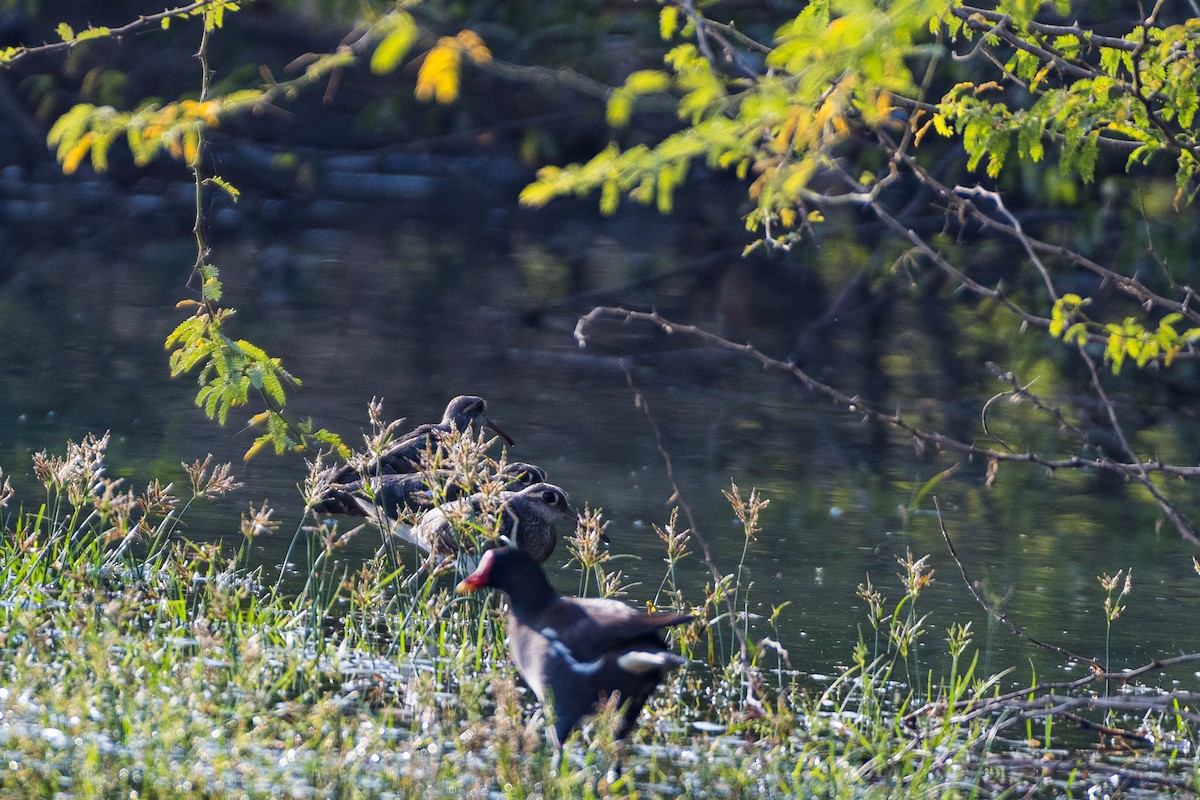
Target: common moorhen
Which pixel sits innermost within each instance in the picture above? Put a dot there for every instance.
(576, 653)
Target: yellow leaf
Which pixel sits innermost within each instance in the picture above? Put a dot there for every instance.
(668, 21)
(254, 448)
(438, 76)
(476, 50)
(191, 146)
(259, 418)
(783, 139)
(883, 105)
(75, 155)
(209, 112)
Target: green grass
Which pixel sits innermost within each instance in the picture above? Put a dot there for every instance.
(136, 664)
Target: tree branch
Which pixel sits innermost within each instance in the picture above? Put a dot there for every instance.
(1133, 470)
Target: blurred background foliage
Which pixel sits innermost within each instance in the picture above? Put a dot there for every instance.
(545, 96)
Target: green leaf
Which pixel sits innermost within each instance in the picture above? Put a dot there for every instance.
(395, 45)
(930, 484)
(1088, 154)
(610, 197)
(621, 100)
(186, 331)
(251, 350)
(93, 33)
(225, 186)
(619, 109)
(272, 387)
(68, 129)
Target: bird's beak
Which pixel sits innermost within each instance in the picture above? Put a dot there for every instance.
(479, 578)
(494, 428)
(469, 584)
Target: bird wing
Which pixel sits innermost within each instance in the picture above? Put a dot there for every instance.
(600, 624)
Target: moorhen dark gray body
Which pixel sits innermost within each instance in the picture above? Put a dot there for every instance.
(576, 653)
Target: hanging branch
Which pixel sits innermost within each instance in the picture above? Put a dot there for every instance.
(1057, 699)
(15, 55)
(1135, 470)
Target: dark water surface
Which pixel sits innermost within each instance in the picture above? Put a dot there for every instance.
(418, 311)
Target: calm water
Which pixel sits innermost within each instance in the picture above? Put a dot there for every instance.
(418, 312)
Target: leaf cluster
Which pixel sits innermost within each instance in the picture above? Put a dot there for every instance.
(1129, 338)
(791, 117)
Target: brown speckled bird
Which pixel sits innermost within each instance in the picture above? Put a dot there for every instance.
(403, 455)
(396, 495)
(524, 519)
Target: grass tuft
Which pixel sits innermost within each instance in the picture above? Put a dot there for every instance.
(138, 662)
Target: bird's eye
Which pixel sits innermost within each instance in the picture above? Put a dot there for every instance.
(550, 498)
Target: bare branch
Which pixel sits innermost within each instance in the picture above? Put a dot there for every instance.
(960, 204)
(1133, 470)
(1092, 663)
(138, 24)
(639, 400)
(966, 13)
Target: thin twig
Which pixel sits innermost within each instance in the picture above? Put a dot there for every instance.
(138, 24)
(1177, 517)
(958, 204)
(1136, 469)
(640, 402)
(1092, 663)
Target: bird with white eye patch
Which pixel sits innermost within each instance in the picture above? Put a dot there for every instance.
(525, 519)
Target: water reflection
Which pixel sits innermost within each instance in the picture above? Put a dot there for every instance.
(420, 313)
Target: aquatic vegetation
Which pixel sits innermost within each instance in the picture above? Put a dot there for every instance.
(138, 662)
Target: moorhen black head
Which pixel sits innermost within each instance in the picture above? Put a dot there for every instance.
(576, 653)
